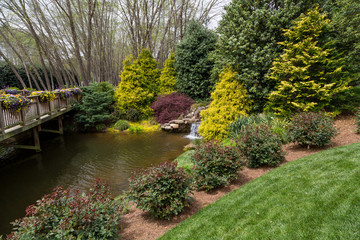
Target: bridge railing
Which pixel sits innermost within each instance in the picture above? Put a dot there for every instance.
(36, 110)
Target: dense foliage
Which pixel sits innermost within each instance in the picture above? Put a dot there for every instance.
(168, 76)
(312, 129)
(171, 106)
(193, 65)
(122, 125)
(162, 190)
(70, 214)
(96, 105)
(139, 84)
(215, 165)
(278, 126)
(229, 101)
(260, 145)
(308, 73)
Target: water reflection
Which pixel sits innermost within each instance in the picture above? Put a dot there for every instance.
(76, 161)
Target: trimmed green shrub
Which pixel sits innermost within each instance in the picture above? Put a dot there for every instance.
(168, 76)
(70, 214)
(215, 165)
(96, 105)
(309, 73)
(162, 190)
(260, 146)
(312, 129)
(357, 114)
(229, 101)
(122, 125)
(193, 66)
(100, 127)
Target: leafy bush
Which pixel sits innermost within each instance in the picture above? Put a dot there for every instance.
(136, 129)
(96, 105)
(139, 84)
(100, 127)
(193, 66)
(163, 190)
(122, 125)
(229, 101)
(308, 73)
(260, 146)
(70, 214)
(171, 106)
(357, 114)
(215, 165)
(312, 129)
(279, 126)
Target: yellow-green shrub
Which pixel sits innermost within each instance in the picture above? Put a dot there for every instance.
(230, 100)
(168, 76)
(139, 84)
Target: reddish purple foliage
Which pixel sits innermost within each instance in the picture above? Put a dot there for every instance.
(169, 107)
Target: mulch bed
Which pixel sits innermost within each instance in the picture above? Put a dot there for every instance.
(139, 225)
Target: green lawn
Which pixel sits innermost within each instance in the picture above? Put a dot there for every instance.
(316, 197)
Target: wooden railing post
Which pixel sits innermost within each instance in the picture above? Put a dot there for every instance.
(2, 121)
(22, 116)
(38, 107)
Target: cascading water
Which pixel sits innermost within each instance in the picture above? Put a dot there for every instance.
(194, 131)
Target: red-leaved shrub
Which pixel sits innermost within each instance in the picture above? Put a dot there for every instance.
(169, 107)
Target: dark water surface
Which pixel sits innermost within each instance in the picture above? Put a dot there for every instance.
(76, 161)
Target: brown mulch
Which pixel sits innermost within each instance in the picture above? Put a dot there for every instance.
(139, 225)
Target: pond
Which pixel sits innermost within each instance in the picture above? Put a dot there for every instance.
(76, 161)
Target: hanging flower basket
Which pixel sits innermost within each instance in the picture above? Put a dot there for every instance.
(44, 96)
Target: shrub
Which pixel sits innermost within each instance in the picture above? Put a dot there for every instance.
(308, 73)
(100, 127)
(96, 105)
(162, 190)
(70, 214)
(278, 126)
(139, 84)
(260, 146)
(357, 114)
(136, 129)
(193, 65)
(171, 106)
(312, 129)
(229, 101)
(122, 125)
(168, 76)
(215, 165)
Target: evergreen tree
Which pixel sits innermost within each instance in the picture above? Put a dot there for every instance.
(193, 65)
(168, 76)
(139, 84)
(230, 100)
(308, 73)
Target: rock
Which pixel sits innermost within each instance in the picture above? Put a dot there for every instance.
(174, 125)
(190, 146)
(179, 121)
(167, 128)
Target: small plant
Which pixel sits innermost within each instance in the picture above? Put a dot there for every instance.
(171, 106)
(312, 129)
(136, 129)
(358, 120)
(14, 102)
(100, 127)
(70, 214)
(215, 165)
(132, 114)
(162, 190)
(122, 125)
(260, 146)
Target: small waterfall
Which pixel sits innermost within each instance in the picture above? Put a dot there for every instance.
(194, 131)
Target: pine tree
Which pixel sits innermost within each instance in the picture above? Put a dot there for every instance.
(139, 84)
(168, 76)
(230, 100)
(308, 73)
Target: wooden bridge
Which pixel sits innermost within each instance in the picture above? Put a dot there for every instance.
(15, 122)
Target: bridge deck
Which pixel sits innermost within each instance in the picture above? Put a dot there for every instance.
(13, 122)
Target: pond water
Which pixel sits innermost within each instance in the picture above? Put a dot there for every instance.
(76, 161)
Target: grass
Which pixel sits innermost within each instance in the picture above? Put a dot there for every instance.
(316, 197)
(184, 160)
